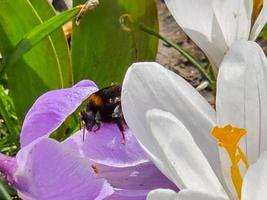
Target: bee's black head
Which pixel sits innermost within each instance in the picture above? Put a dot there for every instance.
(88, 117)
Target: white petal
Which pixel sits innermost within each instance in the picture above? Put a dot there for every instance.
(260, 22)
(198, 21)
(149, 85)
(161, 194)
(181, 154)
(233, 18)
(196, 195)
(194, 15)
(214, 48)
(242, 99)
(255, 180)
(242, 95)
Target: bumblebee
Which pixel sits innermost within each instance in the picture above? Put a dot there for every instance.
(104, 106)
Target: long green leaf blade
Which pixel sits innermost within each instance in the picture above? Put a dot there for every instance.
(59, 41)
(39, 69)
(40, 32)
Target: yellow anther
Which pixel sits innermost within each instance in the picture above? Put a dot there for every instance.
(257, 6)
(228, 137)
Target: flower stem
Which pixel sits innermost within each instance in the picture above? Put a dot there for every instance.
(182, 51)
(4, 192)
(127, 23)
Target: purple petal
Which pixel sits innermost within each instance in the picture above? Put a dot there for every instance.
(134, 182)
(122, 195)
(8, 166)
(141, 177)
(85, 83)
(51, 109)
(47, 170)
(105, 147)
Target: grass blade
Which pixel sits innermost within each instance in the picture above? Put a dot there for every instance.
(4, 192)
(6, 114)
(38, 33)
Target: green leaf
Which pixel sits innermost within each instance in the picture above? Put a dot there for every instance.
(59, 40)
(41, 68)
(102, 51)
(41, 31)
(6, 111)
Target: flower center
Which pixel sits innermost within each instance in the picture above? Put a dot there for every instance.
(257, 6)
(228, 137)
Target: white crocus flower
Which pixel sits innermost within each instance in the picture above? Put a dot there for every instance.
(179, 139)
(215, 24)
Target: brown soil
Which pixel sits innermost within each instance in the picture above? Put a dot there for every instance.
(171, 59)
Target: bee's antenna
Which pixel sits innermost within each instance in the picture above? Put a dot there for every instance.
(82, 126)
(83, 133)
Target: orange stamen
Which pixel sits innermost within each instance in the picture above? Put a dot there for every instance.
(228, 137)
(257, 6)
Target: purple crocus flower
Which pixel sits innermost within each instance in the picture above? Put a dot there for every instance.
(100, 167)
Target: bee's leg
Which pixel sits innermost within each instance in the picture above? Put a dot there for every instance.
(98, 125)
(97, 121)
(119, 122)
